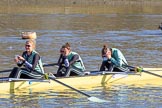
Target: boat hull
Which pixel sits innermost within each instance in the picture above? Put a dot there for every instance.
(84, 82)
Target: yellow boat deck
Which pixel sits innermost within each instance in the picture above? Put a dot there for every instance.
(87, 82)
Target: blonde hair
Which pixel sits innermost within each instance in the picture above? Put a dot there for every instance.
(33, 42)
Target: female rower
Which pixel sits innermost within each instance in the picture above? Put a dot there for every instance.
(31, 61)
(61, 56)
(71, 63)
(113, 60)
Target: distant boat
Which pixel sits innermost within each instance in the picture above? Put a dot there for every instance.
(160, 26)
(28, 35)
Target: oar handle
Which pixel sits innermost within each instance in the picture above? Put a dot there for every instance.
(45, 65)
(52, 64)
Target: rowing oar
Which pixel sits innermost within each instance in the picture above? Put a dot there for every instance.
(52, 64)
(139, 69)
(45, 65)
(9, 70)
(91, 98)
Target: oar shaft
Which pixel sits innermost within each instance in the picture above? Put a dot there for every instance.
(132, 67)
(9, 70)
(69, 87)
(64, 84)
(107, 72)
(152, 73)
(45, 65)
(52, 64)
(94, 99)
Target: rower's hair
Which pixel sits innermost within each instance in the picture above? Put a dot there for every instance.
(33, 42)
(61, 49)
(67, 45)
(104, 49)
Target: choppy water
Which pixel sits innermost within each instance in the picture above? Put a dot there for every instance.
(134, 32)
(116, 96)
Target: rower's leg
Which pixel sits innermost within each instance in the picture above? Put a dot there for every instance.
(76, 71)
(24, 73)
(15, 73)
(109, 66)
(102, 68)
(119, 70)
(68, 71)
(60, 71)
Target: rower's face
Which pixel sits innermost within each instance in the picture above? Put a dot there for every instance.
(108, 52)
(66, 51)
(28, 47)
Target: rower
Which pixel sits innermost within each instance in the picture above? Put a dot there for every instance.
(113, 60)
(160, 26)
(70, 63)
(31, 61)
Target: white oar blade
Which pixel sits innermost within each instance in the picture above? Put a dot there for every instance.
(94, 99)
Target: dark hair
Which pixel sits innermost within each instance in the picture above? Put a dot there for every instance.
(104, 49)
(67, 45)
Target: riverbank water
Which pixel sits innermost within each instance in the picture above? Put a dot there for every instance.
(129, 25)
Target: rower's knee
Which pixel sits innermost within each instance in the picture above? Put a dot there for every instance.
(15, 73)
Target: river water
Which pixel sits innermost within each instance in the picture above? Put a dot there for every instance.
(127, 25)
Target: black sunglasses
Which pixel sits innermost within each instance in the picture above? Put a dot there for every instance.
(27, 46)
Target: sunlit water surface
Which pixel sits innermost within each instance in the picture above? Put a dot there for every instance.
(119, 96)
(135, 34)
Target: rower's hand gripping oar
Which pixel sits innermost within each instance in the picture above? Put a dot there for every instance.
(45, 65)
(91, 98)
(140, 69)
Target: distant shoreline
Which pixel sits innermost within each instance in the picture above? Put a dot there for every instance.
(78, 2)
(80, 6)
